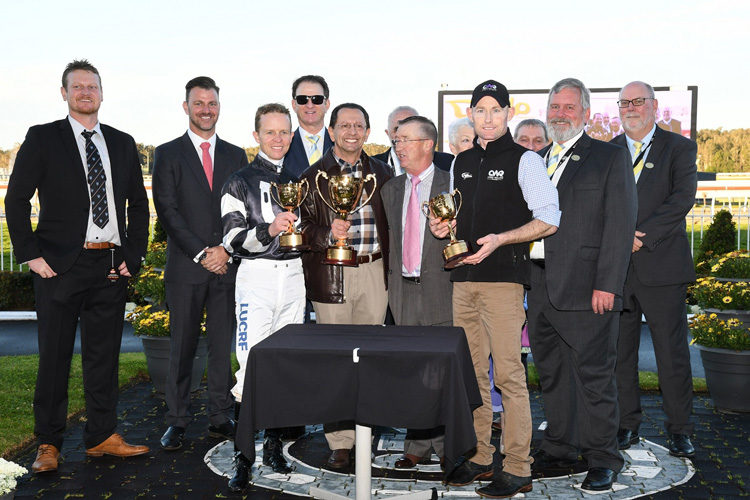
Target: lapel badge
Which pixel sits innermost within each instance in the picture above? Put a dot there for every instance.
(649, 165)
(575, 157)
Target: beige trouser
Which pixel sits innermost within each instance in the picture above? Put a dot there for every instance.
(365, 303)
(492, 316)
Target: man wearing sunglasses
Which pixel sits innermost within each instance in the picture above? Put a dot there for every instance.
(310, 141)
(661, 266)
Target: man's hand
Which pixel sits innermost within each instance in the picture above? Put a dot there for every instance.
(489, 244)
(216, 260)
(281, 223)
(340, 228)
(124, 270)
(40, 266)
(439, 228)
(602, 302)
(637, 242)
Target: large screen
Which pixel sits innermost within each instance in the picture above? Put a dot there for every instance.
(677, 110)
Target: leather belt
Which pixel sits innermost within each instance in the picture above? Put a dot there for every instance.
(413, 279)
(538, 262)
(92, 245)
(366, 259)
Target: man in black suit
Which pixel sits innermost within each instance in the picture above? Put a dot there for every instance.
(82, 252)
(661, 266)
(441, 160)
(311, 140)
(188, 175)
(577, 280)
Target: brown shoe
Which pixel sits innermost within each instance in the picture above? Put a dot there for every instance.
(339, 459)
(116, 446)
(46, 459)
(408, 461)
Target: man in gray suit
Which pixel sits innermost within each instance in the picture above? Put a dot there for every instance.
(419, 289)
(577, 281)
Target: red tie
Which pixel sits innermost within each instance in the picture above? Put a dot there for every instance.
(412, 248)
(208, 165)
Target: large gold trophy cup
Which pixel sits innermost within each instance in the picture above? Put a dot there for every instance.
(344, 192)
(443, 206)
(290, 196)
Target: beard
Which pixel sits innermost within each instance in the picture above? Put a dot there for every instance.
(559, 133)
(640, 124)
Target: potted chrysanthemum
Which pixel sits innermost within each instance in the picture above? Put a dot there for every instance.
(9, 473)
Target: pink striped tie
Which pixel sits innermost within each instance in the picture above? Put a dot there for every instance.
(412, 248)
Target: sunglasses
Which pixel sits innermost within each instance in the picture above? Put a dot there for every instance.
(316, 99)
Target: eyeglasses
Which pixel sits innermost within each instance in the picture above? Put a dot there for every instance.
(396, 142)
(316, 99)
(638, 101)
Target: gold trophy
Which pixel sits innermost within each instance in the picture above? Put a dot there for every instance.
(344, 192)
(290, 196)
(443, 206)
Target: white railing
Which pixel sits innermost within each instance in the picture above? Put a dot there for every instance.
(701, 216)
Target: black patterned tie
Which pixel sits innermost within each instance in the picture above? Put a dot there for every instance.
(97, 182)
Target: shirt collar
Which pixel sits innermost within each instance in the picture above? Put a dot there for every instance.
(645, 140)
(78, 128)
(197, 140)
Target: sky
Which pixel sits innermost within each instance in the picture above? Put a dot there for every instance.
(380, 54)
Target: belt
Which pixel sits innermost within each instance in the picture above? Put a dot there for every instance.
(413, 279)
(366, 259)
(92, 245)
(538, 262)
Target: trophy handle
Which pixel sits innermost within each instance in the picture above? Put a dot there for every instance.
(460, 200)
(426, 209)
(370, 177)
(307, 190)
(275, 198)
(320, 172)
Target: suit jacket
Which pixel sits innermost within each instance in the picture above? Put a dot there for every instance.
(436, 287)
(296, 160)
(49, 161)
(591, 248)
(188, 209)
(443, 161)
(673, 126)
(666, 193)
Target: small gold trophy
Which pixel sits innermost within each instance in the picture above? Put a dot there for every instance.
(290, 196)
(344, 192)
(443, 206)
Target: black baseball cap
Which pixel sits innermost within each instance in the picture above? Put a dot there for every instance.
(491, 88)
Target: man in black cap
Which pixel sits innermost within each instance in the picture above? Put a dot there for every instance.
(497, 176)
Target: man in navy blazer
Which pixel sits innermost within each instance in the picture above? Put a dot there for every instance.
(661, 267)
(189, 173)
(80, 264)
(311, 139)
(577, 281)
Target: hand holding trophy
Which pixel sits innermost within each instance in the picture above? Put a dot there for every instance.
(290, 196)
(344, 192)
(443, 208)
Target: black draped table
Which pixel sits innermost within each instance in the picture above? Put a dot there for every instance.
(397, 376)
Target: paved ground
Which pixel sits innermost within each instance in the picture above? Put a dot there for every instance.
(721, 467)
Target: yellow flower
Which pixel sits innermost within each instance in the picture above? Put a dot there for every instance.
(713, 316)
(727, 299)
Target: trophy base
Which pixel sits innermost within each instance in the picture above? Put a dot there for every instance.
(341, 256)
(455, 253)
(293, 242)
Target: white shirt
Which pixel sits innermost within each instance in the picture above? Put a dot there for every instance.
(94, 233)
(309, 145)
(197, 141)
(645, 141)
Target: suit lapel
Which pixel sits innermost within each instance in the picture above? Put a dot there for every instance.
(117, 170)
(66, 135)
(399, 191)
(221, 165)
(194, 162)
(575, 160)
(652, 158)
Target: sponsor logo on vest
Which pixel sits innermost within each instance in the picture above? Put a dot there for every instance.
(242, 328)
(495, 175)
(466, 175)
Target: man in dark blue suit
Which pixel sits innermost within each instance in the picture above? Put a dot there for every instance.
(661, 266)
(81, 254)
(311, 139)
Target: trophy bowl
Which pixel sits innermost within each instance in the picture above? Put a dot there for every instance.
(344, 193)
(444, 208)
(290, 196)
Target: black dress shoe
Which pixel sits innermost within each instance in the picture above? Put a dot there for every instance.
(339, 459)
(599, 479)
(543, 460)
(273, 456)
(505, 485)
(680, 446)
(223, 431)
(466, 472)
(172, 439)
(626, 437)
(241, 477)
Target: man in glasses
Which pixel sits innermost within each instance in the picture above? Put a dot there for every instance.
(346, 294)
(310, 141)
(661, 266)
(442, 160)
(497, 176)
(577, 281)
(669, 123)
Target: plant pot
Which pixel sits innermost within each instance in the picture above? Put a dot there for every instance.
(726, 314)
(727, 377)
(157, 350)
